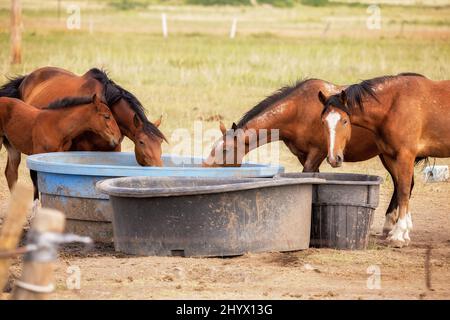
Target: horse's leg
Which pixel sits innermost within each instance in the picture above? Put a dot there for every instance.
(36, 202)
(409, 217)
(404, 169)
(34, 179)
(391, 212)
(12, 166)
(313, 161)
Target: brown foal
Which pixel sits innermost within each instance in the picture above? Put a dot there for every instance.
(29, 130)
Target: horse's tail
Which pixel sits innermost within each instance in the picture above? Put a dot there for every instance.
(422, 160)
(11, 89)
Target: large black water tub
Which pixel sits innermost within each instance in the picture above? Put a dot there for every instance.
(342, 208)
(209, 216)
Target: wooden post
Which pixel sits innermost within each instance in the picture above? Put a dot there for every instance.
(16, 36)
(233, 28)
(21, 199)
(164, 25)
(39, 273)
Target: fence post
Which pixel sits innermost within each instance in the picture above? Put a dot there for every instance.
(16, 36)
(233, 28)
(20, 203)
(164, 25)
(36, 282)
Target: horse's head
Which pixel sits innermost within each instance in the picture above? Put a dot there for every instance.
(226, 151)
(337, 126)
(103, 122)
(147, 145)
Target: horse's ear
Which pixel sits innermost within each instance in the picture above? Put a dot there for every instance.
(136, 121)
(223, 128)
(157, 123)
(322, 97)
(344, 97)
(234, 126)
(96, 101)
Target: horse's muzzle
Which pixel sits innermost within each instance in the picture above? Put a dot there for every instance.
(336, 162)
(114, 142)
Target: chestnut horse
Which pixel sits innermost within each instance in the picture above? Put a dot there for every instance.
(410, 116)
(295, 112)
(44, 85)
(29, 130)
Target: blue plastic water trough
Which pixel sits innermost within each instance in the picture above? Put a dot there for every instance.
(67, 181)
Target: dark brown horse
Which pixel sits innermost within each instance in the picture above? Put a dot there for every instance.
(295, 111)
(47, 84)
(410, 116)
(29, 130)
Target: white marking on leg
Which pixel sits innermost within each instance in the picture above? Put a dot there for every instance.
(399, 230)
(332, 119)
(406, 237)
(409, 221)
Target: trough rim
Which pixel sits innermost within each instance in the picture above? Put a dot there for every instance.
(36, 162)
(106, 186)
(377, 180)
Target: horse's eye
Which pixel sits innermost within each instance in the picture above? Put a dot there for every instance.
(107, 116)
(141, 143)
(345, 121)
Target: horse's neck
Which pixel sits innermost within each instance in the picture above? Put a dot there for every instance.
(74, 120)
(124, 114)
(274, 120)
(373, 113)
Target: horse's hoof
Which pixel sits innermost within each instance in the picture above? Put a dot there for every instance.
(406, 238)
(387, 232)
(397, 243)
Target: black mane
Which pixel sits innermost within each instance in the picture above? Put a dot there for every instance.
(68, 102)
(356, 93)
(336, 102)
(11, 88)
(113, 93)
(269, 101)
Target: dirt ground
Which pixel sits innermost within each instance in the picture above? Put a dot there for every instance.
(308, 274)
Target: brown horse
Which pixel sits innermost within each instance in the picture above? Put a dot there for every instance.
(47, 84)
(29, 130)
(410, 116)
(295, 112)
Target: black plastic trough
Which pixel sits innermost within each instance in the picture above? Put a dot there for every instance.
(208, 216)
(342, 208)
